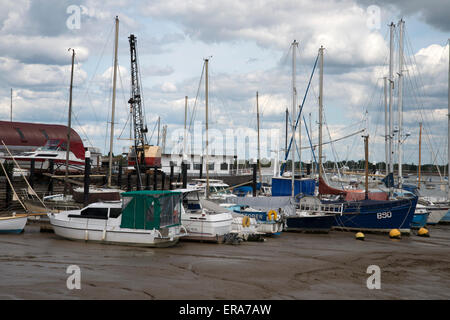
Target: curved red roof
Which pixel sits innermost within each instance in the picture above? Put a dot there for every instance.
(33, 135)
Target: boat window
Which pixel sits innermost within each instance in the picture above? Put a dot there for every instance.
(51, 144)
(224, 166)
(22, 137)
(115, 212)
(211, 166)
(170, 210)
(150, 214)
(95, 213)
(197, 166)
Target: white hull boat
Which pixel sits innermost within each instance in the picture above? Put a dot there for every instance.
(13, 224)
(202, 224)
(142, 218)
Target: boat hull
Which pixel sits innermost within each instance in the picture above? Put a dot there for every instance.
(12, 224)
(419, 220)
(445, 219)
(317, 224)
(376, 216)
(99, 231)
(208, 227)
(436, 215)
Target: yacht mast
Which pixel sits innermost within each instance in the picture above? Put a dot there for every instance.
(259, 145)
(400, 103)
(69, 124)
(320, 109)
(111, 139)
(448, 116)
(206, 107)
(185, 119)
(391, 87)
(386, 117)
(294, 99)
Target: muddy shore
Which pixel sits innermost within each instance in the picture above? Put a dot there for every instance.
(289, 266)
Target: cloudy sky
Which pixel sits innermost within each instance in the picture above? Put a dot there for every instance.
(248, 43)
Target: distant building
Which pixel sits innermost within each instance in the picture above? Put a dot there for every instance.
(218, 164)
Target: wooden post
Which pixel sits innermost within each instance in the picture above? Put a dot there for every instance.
(31, 178)
(51, 170)
(129, 181)
(155, 179)
(119, 175)
(184, 172)
(171, 176)
(163, 180)
(147, 181)
(8, 193)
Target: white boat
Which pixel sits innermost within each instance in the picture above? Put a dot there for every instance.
(218, 190)
(142, 218)
(202, 224)
(54, 149)
(437, 210)
(13, 224)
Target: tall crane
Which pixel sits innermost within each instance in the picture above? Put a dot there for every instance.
(142, 155)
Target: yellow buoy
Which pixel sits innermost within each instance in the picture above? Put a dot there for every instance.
(272, 214)
(246, 221)
(395, 234)
(359, 236)
(423, 232)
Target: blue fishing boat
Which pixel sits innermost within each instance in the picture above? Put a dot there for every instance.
(372, 215)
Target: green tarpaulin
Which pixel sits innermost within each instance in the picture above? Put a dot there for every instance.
(150, 209)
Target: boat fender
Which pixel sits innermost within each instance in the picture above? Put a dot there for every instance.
(246, 221)
(272, 214)
(104, 235)
(395, 234)
(359, 236)
(86, 235)
(423, 232)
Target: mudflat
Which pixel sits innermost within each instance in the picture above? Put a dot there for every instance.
(294, 266)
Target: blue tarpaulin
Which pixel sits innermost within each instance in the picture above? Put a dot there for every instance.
(282, 186)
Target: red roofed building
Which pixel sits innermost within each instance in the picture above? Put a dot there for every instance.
(25, 136)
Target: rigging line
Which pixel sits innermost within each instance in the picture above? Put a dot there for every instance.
(421, 109)
(96, 68)
(419, 88)
(196, 97)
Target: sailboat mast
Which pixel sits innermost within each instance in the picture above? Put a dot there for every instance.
(294, 99)
(400, 103)
(113, 107)
(391, 87)
(420, 153)
(320, 108)
(259, 145)
(386, 120)
(448, 124)
(69, 125)
(206, 108)
(185, 120)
